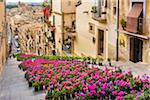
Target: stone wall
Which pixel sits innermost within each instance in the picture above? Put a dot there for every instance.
(3, 53)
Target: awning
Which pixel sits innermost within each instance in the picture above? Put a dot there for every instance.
(132, 18)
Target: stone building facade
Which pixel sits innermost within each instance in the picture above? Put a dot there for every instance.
(3, 36)
(63, 19)
(136, 35)
(96, 28)
(29, 27)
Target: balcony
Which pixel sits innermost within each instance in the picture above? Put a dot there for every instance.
(142, 28)
(99, 14)
(70, 32)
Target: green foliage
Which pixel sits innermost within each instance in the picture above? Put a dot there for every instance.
(145, 95)
(123, 23)
(94, 9)
(45, 4)
(35, 84)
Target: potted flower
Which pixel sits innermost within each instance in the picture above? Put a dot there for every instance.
(45, 4)
(123, 23)
(100, 61)
(36, 86)
(94, 9)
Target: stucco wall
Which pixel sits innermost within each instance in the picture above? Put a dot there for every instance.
(3, 54)
(56, 5)
(68, 6)
(68, 18)
(2, 40)
(83, 43)
(58, 32)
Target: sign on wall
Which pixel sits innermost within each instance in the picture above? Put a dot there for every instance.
(123, 40)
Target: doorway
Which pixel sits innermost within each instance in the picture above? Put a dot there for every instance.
(136, 46)
(100, 42)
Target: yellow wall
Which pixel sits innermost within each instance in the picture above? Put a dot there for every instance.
(56, 6)
(3, 44)
(68, 6)
(59, 7)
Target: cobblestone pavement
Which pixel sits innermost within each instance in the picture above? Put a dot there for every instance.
(13, 86)
(136, 68)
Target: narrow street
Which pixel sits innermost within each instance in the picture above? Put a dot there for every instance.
(13, 86)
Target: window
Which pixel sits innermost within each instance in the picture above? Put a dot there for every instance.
(74, 24)
(91, 28)
(53, 20)
(114, 10)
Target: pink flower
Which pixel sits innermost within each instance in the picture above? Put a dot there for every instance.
(119, 98)
(77, 84)
(121, 93)
(115, 92)
(88, 79)
(89, 93)
(104, 86)
(57, 84)
(103, 92)
(85, 89)
(92, 87)
(69, 87)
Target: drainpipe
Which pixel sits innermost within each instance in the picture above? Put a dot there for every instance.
(62, 28)
(117, 42)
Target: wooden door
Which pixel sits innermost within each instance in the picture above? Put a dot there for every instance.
(100, 42)
(136, 47)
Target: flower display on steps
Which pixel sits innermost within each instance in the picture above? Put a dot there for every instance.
(68, 79)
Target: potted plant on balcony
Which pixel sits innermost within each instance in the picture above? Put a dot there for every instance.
(94, 9)
(45, 4)
(123, 23)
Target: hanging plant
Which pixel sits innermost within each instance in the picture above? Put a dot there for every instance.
(45, 4)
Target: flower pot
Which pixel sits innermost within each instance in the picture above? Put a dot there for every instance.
(36, 88)
(112, 97)
(46, 87)
(19, 66)
(62, 97)
(30, 84)
(110, 64)
(68, 96)
(48, 98)
(24, 69)
(100, 64)
(41, 87)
